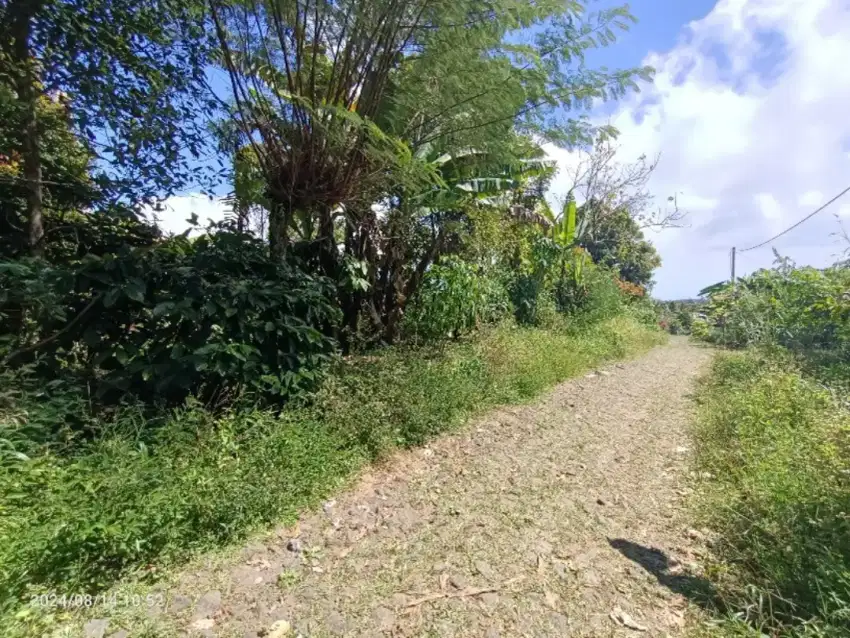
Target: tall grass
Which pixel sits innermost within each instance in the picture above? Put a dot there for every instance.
(128, 501)
(776, 446)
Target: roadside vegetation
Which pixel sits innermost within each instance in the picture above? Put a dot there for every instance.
(389, 264)
(677, 317)
(774, 452)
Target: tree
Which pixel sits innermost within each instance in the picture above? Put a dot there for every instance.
(618, 242)
(132, 73)
(305, 78)
(65, 165)
(347, 106)
(608, 186)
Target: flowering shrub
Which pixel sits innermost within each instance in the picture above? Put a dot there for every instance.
(629, 289)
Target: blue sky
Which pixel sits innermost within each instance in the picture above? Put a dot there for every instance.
(659, 25)
(749, 111)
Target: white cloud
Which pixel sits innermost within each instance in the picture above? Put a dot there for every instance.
(768, 206)
(178, 209)
(749, 113)
(810, 199)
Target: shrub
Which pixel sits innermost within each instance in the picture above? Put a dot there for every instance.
(776, 447)
(565, 281)
(804, 309)
(455, 298)
(33, 294)
(644, 311)
(591, 297)
(214, 317)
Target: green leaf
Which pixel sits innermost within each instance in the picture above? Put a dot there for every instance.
(111, 297)
(135, 289)
(571, 220)
(164, 308)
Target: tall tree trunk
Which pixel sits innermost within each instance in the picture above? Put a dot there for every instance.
(404, 291)
(21, 14)
(32, 174)
(328, 252)
(279, 217)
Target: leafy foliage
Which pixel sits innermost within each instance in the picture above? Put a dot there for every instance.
(124, 500)
(456, 297)
(132, 75)
(213, 318)
(66, 164)
(775, 447)
(804, 309)
(617, 242)
(427, 136)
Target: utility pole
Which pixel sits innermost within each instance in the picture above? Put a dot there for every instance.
(734, 281)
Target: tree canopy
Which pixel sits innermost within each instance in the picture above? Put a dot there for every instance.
(384, 148)
(132, 76)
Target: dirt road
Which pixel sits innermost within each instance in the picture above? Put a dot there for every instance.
(560, 518)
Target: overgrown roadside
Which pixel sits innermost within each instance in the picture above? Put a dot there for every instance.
(773, 451)
(559, 518)
(772, 446)
(126, 505)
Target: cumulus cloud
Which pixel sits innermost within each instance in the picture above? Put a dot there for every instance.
(749, 112)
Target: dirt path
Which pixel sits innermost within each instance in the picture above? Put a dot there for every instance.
(560, 518)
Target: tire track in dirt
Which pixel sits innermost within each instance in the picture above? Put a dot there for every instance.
(559, 518)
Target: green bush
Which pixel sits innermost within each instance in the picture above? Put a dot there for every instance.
(126, 500)
(565, 281)
(455, 298)
(213, 318)
(804, 309)
(644, 310)
(595, 298)
(531, 289)
(776, 448)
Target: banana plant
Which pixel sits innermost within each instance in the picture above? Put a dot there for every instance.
(566, 231)
(467, 175)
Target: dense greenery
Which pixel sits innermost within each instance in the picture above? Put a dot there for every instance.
(773, 436)
(390, 263)
(677, 317)
(774, 443)
(429, 234)
(211, 317)
(618, 242)
(130, 77)
(126, 500)
(804, 309)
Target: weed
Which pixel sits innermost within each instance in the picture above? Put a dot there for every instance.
(288, 578)
(123, 505)
(776, 445)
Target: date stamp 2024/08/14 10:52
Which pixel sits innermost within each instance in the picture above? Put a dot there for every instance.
(69, 601)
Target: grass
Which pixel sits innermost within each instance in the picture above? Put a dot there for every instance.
(776, 446)
(128, 503)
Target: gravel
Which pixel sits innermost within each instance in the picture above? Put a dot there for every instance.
(509, 510)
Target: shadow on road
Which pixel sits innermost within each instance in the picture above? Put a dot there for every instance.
(668, 573)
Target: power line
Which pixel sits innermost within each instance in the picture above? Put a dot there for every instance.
(790, 228)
